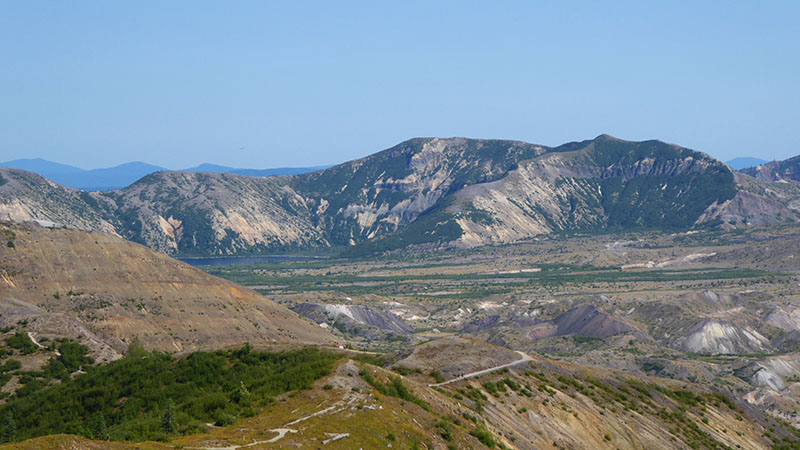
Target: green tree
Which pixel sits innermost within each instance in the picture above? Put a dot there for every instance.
(135, 349)
(9, 428)
(241, 395)
(169, 417)
(99, 425)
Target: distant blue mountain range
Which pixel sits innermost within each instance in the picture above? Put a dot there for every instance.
(254, 172)
(125, 174)
(745, 162)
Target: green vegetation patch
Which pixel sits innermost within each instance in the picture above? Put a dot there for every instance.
(151, 396)
(22, 342)
(393, 388)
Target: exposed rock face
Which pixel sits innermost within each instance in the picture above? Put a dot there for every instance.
(109, 290)
(362, 321)
(586, 320)
(722, 337)
(463, 191)
(787, 319)
(370, 316)
(213, 213)
(756, 203)
(29, 197)
(773, 372)
(595, 184)
(788, 169)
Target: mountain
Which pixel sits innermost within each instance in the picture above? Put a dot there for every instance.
(277, 171)
(123, 175)
(214, 168)
(744, 162)
(788, 169)
(425, 191)
(112, 177)
(106, 291)
(88, 180)
(43, 167)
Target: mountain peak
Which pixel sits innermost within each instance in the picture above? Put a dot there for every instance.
(608, 137)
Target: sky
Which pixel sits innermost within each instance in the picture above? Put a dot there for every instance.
(300, 83)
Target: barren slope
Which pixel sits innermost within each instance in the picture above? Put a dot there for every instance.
(116, 290)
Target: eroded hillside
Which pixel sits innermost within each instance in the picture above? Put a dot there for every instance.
(108, 291)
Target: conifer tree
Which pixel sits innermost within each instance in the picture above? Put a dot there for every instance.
(99, 425)
(9, 428)
(169, 418)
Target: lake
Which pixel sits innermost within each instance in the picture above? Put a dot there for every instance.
(198, 262)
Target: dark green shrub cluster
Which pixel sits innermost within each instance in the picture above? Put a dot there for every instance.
(393, 388)
(684, 396)
(484, 436)
(150, 396)
(71, 357)
(499, 387)
(21, 342)
(475, 395)
(689, 431)
(494, 388)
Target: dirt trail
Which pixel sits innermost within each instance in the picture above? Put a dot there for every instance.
(36, 343)
(525, 358)
(282, 432)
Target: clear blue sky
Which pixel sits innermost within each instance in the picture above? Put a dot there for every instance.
(294, 83)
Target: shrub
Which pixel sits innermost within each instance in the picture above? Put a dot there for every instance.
(22, 342)
(483, 435)
(394, 388)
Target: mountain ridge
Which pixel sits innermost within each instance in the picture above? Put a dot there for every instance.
(745, 162)
(123, 175)
(423, 191)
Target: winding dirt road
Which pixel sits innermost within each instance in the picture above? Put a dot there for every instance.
(525, 358)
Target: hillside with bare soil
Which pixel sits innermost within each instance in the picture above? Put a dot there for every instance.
(538, 403)
(108, 291)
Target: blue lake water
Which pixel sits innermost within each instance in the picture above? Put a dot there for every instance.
(197, 262)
